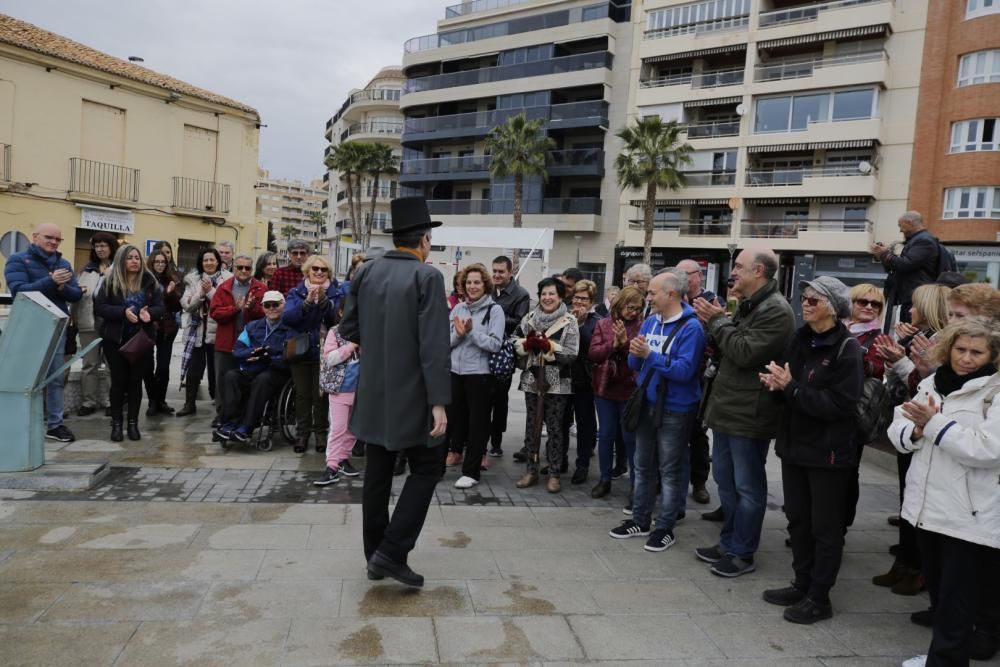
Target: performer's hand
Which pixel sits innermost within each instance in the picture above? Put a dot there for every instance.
(440, 421)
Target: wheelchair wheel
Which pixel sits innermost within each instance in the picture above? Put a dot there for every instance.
(264, 445)
(226, 444)
(285, 414)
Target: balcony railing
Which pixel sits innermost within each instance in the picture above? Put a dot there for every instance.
(796, 176)
(695, 179)
(559, 161)
(708, 79)
(689, 227)
(724, 128)
(548, 206)
(384, 191)
(580, 61)
(110, 181)
(790, 229)
(376, 95)
(798, 68)
(481, 122)
(473, 6)
(806, 12)
(699, 28)
(377, 127)
(5, 162)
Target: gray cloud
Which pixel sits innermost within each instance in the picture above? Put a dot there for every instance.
(293, 61)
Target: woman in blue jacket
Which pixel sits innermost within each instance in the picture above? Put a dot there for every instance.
(311, 309)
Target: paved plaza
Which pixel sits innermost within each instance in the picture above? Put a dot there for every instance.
(190, 555)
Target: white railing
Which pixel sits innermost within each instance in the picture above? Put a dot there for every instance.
(789, 229)
(700, 28)
(707, 79)
(807, 12)
(796, 175)
(798, 68)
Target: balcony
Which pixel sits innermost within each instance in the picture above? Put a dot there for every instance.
(709, 130)
(548, 206)
(5, 151)
(475, 6)
(384, 191)
(798, 175)
(797, 68)
(577, 162)
(700, 28)
(800, 229)
(689, 227)
(574, 63)
(480, 123)
(88, 178)
(708, 79)
(703, 179)
(809, 182)
(801, 13)
(378, 129)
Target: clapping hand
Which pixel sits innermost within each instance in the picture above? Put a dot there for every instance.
(62, 276)
(888, 349)
(621, 336)
(920, 354)
(919, 414)
(171, 286)
(639, 347)
(206, 285)
(777, 377)
(462, 327)
(537, 342)
(144, 315)
(706, 310)
(906, 330)
(131, 316)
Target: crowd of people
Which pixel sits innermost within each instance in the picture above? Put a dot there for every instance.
(639, 376)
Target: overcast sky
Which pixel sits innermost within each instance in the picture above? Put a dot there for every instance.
(292, 60)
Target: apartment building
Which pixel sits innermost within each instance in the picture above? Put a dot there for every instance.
(285, 204)
(802, 117)
(92, 142)
(956, 156)
(565, 62)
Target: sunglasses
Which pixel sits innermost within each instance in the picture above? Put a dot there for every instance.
(812, 300)
(298, 253)
(272, 304)
(868, 303)
(319, 269)
(243, 268)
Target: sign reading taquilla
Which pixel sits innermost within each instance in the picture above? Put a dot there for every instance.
(107, 220)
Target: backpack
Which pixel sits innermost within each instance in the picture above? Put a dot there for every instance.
(946, 260)
(873, 412)
(502, 361)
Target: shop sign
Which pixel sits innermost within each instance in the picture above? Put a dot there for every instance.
(115, 221)
(976, 253)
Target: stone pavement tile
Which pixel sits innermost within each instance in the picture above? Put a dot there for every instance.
(864, 565)
(206, 642)
(454, 565)
(203, 513)
(36, 511)
(63, 643)
(860, 596)
(562, 517)
(480, 538)
(146, 536)
(284, 513)
(348, 641)
(660, 596)
(490, 639)
(255, 536)
(874, 541)
(36, 535)
(768, 636)
(635, 563)
(311, 565)
(236, 461)
(621, 663)
(642, 637)
(23, 603)
(388, 599)
(88, 446)
(877, 519)
(134, 601)
(755, 662)
(743, 594)
(265, 599)
(323, 536)
(551, 565)
(532, 597)
(875, 635)
(854, 661)
(311, 462)
(488, 516)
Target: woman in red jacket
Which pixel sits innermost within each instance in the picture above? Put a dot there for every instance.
(614, 382)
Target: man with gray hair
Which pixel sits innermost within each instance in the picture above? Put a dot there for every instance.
(638, 276)
(667, 354)
(226, 250)
(917, 264)
(290, 275)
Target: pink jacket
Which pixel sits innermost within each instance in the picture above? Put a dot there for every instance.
(335, 354)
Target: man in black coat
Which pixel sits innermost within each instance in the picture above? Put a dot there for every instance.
(515, 302)
(397, 311)
(916, 265)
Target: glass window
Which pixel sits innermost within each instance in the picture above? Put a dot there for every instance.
(975, 202)
(806, 109)
(851, 104)
(978, 134)
(979, 67)
(981, 8)
(772, 114)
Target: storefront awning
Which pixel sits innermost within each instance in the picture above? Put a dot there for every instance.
(819, 145)
(880, 29)
(641, 203)
(803, 201)
(684, 55)
(735, 99)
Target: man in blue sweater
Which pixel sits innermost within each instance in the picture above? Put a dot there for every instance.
(667, 353)
(41, 268)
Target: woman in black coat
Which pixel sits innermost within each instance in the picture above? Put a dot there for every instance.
(817, 442)
(130, 300)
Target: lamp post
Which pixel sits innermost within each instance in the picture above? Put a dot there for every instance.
(578, 238)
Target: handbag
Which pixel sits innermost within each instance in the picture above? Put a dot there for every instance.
(502, 361)
(137, 347)
(632, 413)
(297, 348)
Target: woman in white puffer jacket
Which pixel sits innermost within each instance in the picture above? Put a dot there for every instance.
(952, 426)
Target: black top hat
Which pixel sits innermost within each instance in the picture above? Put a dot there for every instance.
(410, 214)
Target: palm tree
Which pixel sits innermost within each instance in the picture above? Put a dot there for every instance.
(288, 232)
(379, 161)
(347, 159)
(651, 157)
(519, 148)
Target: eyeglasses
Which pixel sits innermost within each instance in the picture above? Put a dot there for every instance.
(868, 303)
(319, 269)
(812, 300)
(243, 267)
(271, 304)
(632, 309)
(53, 239)
(298, 253)
(581, 299)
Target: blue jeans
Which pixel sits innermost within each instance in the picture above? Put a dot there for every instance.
(661, 448)
(54, 406)
(610, 417)
(738, 469)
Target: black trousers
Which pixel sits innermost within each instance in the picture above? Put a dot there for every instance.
(469, 413)
(397, 536)
(498, 410)
(202, 359)
(701, 462)
(581, 409)
(245, 395)
(909, 553)
(126, 379)
(157, 375)
(224, 362)
(951, 568)
(815, 506)
(988, 613)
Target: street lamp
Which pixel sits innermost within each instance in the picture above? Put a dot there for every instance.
(578, 238)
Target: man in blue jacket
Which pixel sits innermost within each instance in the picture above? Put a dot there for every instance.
(41, 268)
(667, 353)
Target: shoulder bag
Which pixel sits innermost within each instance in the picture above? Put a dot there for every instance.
(137, 347)
(502, 361)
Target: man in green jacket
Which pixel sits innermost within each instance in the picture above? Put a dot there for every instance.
(741, 412)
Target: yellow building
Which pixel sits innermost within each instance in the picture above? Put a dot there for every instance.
(91, 142)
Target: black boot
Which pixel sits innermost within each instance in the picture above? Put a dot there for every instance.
(188, 409)
(133, 429)
(116, 430)
(152, 410)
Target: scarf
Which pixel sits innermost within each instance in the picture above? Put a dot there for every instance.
(857, 328)
(412, 251)
(473, 305)
(541, 320)
(946, 380)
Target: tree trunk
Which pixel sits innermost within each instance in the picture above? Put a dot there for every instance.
(371, 217)
(352, 208)
(518, 193)
(647, 224)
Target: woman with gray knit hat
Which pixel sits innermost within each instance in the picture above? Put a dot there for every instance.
(820, 382)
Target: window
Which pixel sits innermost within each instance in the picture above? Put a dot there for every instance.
(979, 67)
(807, 109)
(981, 8)
(772, 115)
(976, 202)
(978, 134)
(795, 113)
(852, 104)
(699, 12)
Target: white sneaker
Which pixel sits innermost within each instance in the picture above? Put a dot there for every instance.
(465, 482)
(572, 429)
(918, 661)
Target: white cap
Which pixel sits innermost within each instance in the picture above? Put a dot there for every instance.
(272, 295)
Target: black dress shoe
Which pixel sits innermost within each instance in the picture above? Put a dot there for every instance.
(924, 617)
(521, 455)
(164, 408)
(152, 410)
(382, 565)
(579, 476)
(714, 515)
(85, 410)
(132, 429)
(116, 430)
(375, 577)
(601, 489)
(982, 645)
(807, 612)
(188, 409)
(784, 597)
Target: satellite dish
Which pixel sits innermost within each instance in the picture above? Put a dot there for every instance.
(741, 109)
(864, 167)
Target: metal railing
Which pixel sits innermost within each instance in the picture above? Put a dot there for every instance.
(384, 191)
(724, 128)
(485, 121)
(708, 178)
(558, 161)
(689, 227)
(473, 6)
(5, 152)
(798, 68)
(580, 61)
(790, 229)
(708, 79)
(797, 175)
(377, 127)
(101, 179)
(547, 206)
(699, 28)
(376, 95)
(806, 12)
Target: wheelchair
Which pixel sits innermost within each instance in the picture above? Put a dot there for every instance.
(278, 420)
